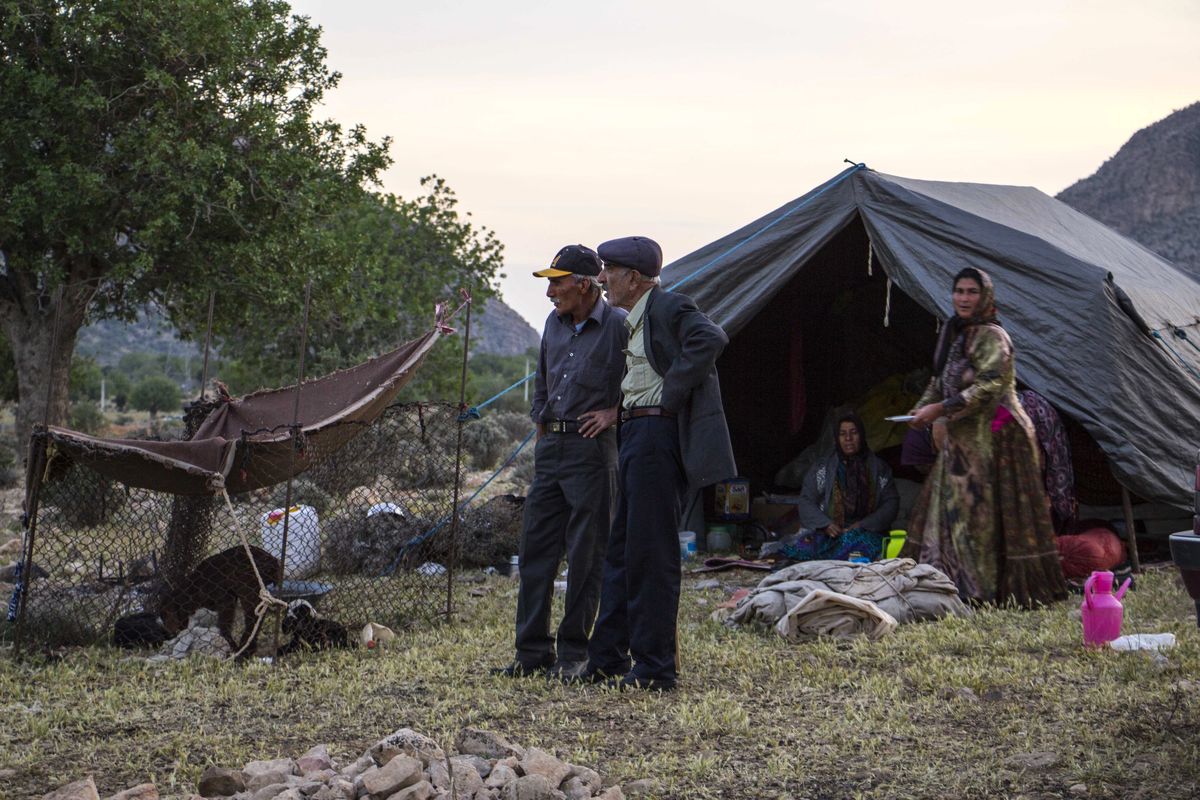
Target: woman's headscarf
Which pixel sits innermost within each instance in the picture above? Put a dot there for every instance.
(852, 497)
(985, 313)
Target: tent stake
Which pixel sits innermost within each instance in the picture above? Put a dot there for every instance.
(1130, 533)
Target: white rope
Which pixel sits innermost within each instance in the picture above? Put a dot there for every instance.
(887, 304)
(265, 598)
(870, 248)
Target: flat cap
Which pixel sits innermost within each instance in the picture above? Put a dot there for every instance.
(574, 259)
(634, 252)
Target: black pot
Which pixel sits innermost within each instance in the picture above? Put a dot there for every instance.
(1185, 551)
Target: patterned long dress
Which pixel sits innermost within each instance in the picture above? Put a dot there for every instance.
(983, 516)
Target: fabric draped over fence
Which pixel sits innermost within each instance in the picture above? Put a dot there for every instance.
(249, 442)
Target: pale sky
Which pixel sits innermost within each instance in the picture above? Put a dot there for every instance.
(564, 122)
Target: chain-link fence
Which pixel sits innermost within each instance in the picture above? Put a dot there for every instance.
(366, 536)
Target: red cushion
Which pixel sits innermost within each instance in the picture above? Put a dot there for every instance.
(1095, 549)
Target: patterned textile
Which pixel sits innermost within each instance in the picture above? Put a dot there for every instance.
(983, 517)
(818, 546)
(1056, 457)
(853, 494)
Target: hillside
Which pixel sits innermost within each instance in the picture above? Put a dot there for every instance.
(498, 330)
(1150, 190)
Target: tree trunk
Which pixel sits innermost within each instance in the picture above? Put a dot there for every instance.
(41, 361)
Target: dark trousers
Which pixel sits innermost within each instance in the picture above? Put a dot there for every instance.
(639, 598)
(568, 510)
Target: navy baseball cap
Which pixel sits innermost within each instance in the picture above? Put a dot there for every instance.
(574, 259)
(635, 252)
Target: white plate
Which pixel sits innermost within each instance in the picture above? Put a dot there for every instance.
(901, 418)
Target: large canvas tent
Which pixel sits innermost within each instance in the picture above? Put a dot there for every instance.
(829, 294)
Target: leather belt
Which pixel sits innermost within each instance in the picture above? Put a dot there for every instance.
(645, 411)
(562, 426)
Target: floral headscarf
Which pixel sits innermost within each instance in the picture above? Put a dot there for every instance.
(985, 313)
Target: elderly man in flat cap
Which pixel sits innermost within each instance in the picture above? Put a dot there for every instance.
(673, 438)
(573, 496)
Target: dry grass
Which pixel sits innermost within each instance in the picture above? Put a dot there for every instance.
(753, 718)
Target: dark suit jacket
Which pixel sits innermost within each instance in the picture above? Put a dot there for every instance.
(683, 348)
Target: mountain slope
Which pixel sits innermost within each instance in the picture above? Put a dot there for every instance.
(1150, 190)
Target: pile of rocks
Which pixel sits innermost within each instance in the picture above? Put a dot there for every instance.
(403, 766)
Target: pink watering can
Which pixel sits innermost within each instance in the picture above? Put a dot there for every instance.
(1101, 609)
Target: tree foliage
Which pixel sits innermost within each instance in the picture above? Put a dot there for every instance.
(153, 150)
(154, 394)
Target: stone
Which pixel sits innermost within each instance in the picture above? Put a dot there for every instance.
(314, 760)
(143, 791)
(271, 778)
(575, 789)
(501, 775)
(268, 792)
(399, 772)
(337, 789)
(511, 762)
(290, 794)
(643, 787)
(480, 765)
(539, 762)
(467, 784)
(283, 765)
(364, 763)
(79, 790)
(612, 793)
(1079, 789)
(320, 776)
(418, 791)
(472, 741)
(590, 777)
(1036, 760)
(220, 782)
(408, 742)
(535, 787)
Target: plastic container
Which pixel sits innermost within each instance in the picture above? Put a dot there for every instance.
(514, 567)
(720, 538)
(303, 556)
(687, 544)
(1101, 609)
(893, 543)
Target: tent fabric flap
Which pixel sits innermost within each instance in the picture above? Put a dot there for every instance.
(250, 442)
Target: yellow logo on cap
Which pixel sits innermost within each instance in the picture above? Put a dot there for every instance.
(554, 263)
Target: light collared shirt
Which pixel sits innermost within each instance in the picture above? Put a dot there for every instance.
(642, 386)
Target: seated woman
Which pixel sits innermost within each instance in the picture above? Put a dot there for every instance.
(848, 501)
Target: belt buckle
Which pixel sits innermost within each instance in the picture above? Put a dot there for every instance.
(558, 426)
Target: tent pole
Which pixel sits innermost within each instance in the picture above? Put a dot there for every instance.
(462, 421)
(1130, 533)
(295, 441)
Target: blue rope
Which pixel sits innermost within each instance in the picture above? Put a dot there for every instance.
(473, 411)
(829, 184)
(1185, 364)
(1183, 335)
(424, 537)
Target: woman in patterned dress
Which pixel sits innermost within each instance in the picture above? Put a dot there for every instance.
(982, 517)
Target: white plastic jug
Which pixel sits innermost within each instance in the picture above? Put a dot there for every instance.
(303, 540)
(687, 544)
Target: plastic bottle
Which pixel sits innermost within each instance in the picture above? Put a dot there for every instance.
(514, 567)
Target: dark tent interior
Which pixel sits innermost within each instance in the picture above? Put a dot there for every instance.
(820, 343)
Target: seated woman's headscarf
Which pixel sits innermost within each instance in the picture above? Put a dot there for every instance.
(853, 495)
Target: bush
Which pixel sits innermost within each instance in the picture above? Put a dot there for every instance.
(85, 417)
(485, 442)
(516, 426)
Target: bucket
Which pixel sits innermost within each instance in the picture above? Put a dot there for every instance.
(893, 543)
(303, 540)
(687, 544)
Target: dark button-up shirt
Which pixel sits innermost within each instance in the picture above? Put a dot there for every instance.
(580, 370)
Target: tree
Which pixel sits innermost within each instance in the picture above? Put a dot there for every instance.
(154, 394)
(151, 151)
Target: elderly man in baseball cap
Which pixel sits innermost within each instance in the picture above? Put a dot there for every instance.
(573, 496)
(673, 439)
